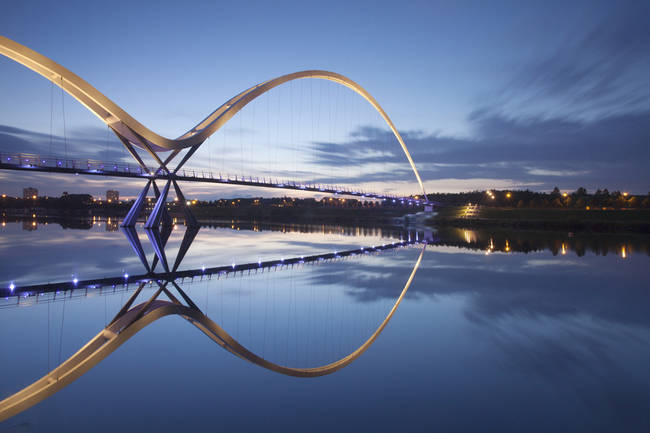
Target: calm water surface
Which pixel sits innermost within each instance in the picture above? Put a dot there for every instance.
(498, 332)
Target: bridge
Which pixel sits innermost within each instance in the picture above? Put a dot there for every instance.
(133, 135)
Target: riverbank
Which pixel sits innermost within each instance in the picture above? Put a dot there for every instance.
(568, 220)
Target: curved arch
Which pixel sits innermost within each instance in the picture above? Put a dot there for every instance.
(118, 333)
(127, 126)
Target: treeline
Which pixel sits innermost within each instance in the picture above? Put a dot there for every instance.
(578, 199)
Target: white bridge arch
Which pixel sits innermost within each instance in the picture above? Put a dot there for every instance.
(131, 132)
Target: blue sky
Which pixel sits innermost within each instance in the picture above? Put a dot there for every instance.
(487, 94)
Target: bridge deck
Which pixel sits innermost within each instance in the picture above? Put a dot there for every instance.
(36, 163)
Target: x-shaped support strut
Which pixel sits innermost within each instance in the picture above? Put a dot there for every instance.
(159, 214)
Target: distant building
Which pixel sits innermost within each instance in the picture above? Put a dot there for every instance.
(30, 193)
(112, 196)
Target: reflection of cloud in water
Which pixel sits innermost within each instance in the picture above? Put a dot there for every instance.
(568, 331)
(504, 285)
(577, 354)
(534, 263)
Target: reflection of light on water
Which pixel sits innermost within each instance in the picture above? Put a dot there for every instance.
(507, 246)
(469, 236)
(490, 248)
(623, 252)
(563, 249)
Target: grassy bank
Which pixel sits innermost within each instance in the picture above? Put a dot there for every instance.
(619, 220)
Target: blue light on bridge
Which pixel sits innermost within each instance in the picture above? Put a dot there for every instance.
(12, 286)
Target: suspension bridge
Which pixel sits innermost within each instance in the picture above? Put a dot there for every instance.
(134, 135)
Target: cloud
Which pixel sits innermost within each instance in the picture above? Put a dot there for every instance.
(505, 152)
(591, 74)
(79, 143)
(561, 173)
(511, 151)
(578, 115)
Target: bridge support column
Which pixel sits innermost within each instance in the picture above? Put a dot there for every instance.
(159, 208)
(160, 212)
(132, 217)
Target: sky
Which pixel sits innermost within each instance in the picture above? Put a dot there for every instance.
(501, 95)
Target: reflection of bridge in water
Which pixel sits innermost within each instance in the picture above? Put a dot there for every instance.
(133, 318)
(20, 293)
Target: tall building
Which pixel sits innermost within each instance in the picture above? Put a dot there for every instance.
(30, 193)
(112, 196)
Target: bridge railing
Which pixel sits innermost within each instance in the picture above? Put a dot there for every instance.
(33, 160)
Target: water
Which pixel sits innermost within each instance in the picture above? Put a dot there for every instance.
(499, 331)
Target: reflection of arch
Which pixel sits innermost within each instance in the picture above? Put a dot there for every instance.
(128, 324)
(128, 128)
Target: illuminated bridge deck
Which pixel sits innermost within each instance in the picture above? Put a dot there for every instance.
(35, 163)
(36, 290)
